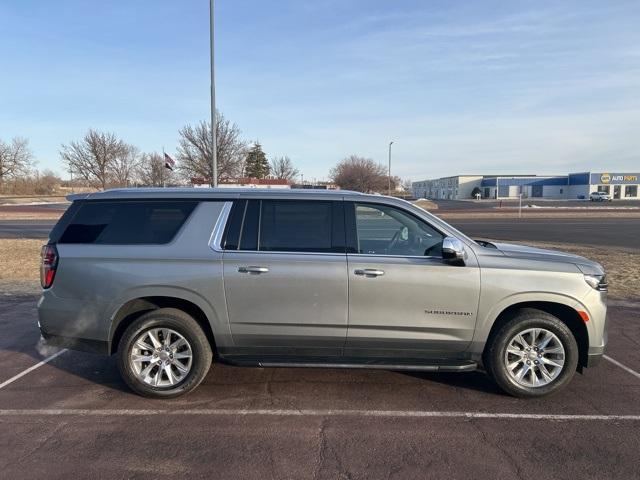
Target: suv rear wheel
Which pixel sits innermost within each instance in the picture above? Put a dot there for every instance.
(164, 354)
(532, 355)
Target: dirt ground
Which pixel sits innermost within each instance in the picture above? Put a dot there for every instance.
(20, 262)
(19, 266)
(30, 215)
(426, 204)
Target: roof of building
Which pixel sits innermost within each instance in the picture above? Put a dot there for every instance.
(256, 181)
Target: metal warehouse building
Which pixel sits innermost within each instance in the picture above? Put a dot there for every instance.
(571, 186)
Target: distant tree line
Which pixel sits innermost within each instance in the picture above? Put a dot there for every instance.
(103, 160)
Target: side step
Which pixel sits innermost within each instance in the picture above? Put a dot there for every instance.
(411, 365)
(461, 367)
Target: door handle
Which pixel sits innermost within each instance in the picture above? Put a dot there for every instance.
(253, 270)
(369, 272)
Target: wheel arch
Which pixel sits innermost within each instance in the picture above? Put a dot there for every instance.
(135, 308)
(565, 313)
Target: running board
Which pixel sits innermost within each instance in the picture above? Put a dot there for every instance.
(466, 366)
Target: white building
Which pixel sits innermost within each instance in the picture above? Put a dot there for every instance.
(446, 188)
(571, 186)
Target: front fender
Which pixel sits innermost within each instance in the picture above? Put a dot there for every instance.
(488, 317)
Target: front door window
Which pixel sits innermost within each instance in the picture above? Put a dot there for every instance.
(384, 230)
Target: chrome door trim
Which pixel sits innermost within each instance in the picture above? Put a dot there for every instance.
(215, 243)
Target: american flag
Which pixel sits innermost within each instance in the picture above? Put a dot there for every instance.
(169, 162)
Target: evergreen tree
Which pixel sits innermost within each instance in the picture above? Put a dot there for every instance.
(256, 164)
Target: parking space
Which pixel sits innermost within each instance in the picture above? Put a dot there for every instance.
(322, 423)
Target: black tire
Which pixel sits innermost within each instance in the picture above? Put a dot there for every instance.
(494, 355)
(181, 323)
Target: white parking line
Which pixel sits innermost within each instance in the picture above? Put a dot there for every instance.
(318, 413)
(31, 369)
(624, 367)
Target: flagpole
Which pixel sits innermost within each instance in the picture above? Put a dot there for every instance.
(214, 153)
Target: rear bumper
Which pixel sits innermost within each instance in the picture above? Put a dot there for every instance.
(80, 344)
(72, 323)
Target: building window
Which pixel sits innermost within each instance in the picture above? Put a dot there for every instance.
(604, 188)
(631, 191)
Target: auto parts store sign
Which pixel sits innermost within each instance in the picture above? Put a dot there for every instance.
(614, 178)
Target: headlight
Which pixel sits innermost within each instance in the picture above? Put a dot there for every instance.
(597, 282)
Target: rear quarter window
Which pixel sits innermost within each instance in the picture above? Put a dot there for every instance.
(127, 222)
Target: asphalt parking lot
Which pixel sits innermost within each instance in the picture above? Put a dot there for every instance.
(73, 416)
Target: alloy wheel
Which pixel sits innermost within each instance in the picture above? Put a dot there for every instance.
(161, 357)
(534, 357)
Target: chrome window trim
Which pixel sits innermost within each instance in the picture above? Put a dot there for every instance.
(279, 252)
(393, 256)
(215, 243)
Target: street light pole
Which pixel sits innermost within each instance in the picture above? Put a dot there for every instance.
(214, 146)
(389, 171)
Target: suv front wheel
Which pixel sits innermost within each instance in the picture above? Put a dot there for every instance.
(164, 354)
(532, 355)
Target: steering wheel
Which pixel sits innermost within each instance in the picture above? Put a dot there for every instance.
(394, 240)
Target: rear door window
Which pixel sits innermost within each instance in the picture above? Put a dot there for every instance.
(287, 226)
(296, 226)
(127, 222)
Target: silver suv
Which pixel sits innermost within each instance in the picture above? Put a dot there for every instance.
(168, 279)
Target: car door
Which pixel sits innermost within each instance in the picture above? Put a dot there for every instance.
(285, 276)
(404, 300)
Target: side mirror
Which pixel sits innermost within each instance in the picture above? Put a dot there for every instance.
(453, 251)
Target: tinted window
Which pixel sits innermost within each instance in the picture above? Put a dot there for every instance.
(297, 226)
(236, 216)
(384, 230)
(249, 231)
(127, 222)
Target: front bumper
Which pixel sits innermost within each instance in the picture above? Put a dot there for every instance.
(594, 358)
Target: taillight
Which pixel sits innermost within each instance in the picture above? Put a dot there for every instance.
(48, 266)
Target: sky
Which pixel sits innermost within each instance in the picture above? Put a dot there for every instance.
(460, 87)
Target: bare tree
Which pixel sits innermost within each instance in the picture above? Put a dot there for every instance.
(94, 157)
(152, 171)
(359, 174)
(195, 146)
(282, 168)
(47, 182)
(125, 166)
(15, 158)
